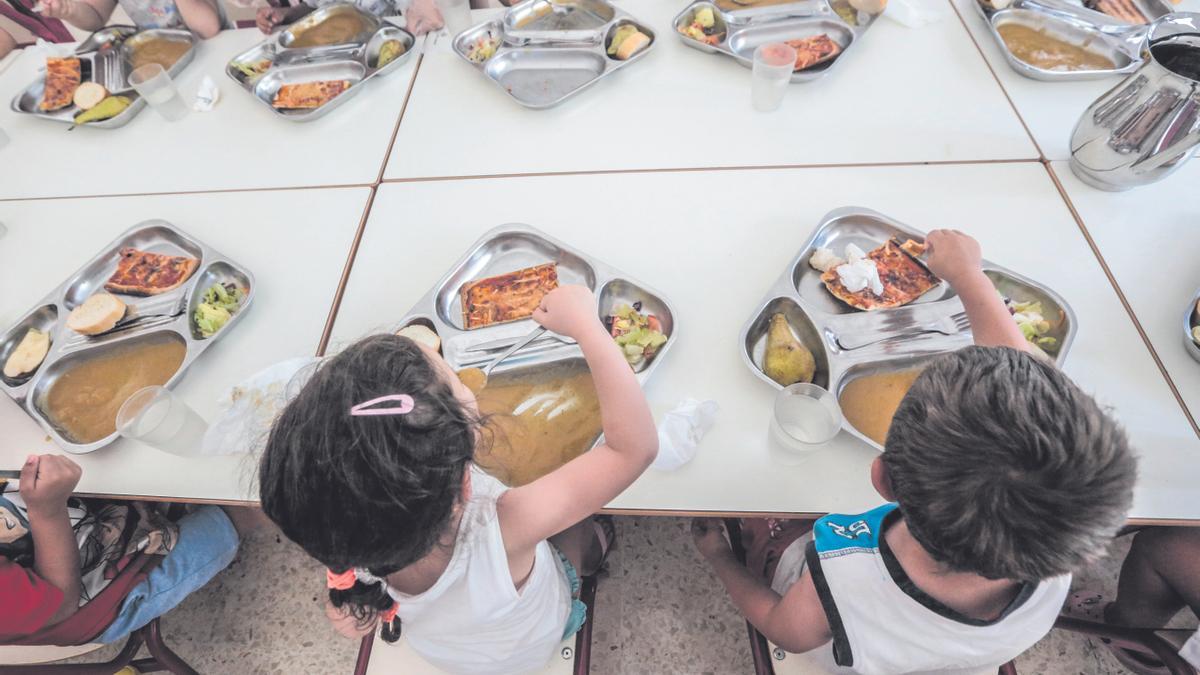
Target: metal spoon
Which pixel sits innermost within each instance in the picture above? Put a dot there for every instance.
(476, 378)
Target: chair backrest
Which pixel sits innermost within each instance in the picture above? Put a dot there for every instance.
(399, 657)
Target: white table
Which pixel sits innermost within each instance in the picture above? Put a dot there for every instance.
(714, 259)
(239, 145)
(296, 244)
(1144, 236)
(901, 95)
(1050, 109)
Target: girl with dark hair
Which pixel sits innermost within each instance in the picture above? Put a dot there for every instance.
(370, 470)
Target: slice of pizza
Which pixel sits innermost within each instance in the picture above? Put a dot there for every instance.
(507, 297)
(62, 79)
(904, 279)
(813, 50)
(144, 273)
(309, 94)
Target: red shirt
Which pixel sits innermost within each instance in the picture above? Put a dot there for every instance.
(27, 601)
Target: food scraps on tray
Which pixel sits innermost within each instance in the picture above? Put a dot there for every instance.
(785, 359)
(217, 307)
(638, 335)
(144, 273)
(389, 51)
(307, 95)
(506, 297)
(422, 335)
(813, 50)
(1033, 324)
(704, 28)
(253, 70)
(887, 276)
(482, 49)
(627, 41)
(1040, 50)
(62, 78)
(98, 314)
(28, 354)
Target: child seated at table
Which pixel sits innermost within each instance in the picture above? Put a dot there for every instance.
(1160, 576)
(370, 470)
(1005, 478)
(74, 573)
(205, 18)
(421, 16)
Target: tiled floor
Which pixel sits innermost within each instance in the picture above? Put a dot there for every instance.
(659, 611)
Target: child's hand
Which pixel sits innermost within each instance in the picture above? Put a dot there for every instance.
(569, 311)
(47, 481)
(267, 18)
(423, 16)
(953, 255)
(57, 9)
(345, 623)
(709, 534)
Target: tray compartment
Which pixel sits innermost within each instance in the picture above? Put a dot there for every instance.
(217, 273)
(803, 329)
(269, 84)
(557, 19)
(542, 77)
(685, 19)
(1071, 32)
(743, 41)
(287, 37)
(154, 239)
(621, 292)
(44, 318)
(896, 365)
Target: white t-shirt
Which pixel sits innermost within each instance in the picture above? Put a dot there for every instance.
(1191, 650)
(473, 620)
(884, 625)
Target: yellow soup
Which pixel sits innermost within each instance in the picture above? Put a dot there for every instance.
(870, 402)
(83, 402)
(335, 30)
(538, 421)
(1042, 51)
(163, 52)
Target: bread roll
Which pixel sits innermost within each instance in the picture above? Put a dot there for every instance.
(97, 314)
(632, 45)
(29, 354)
(421, 335)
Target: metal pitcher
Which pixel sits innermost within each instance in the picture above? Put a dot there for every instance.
(1146, 127)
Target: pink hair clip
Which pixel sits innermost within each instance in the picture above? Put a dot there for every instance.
(404, 405)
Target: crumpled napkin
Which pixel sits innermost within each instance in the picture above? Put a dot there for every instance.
(249, 409)
(912, 13)
(680, 432)
(206, 96)
(51, 50)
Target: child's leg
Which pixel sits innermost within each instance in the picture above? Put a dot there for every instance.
(207, 544)
(582, 545)
(1159, 577)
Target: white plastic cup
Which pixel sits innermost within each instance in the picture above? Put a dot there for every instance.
(456, 14)
(805, 417)
(774, 63)
(157, 417)
(152, 83)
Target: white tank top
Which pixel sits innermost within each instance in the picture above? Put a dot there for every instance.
(884, 625)
(473, 620)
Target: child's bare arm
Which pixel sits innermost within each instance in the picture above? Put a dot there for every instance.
(556, 501)
(956, 257)
(46, 482)
(796, 621)
(83, 14)
(200, 16)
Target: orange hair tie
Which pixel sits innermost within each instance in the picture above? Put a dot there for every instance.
(340, 582)
(388, 615)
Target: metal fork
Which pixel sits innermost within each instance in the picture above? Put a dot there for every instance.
(947, 325)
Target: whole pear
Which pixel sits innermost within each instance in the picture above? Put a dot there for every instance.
(786, 361)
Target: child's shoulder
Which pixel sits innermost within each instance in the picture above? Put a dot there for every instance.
(842, 532)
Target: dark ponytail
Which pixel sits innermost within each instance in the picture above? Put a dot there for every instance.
(368, 492)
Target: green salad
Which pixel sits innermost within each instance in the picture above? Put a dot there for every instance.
(220, 303)
(638, 335)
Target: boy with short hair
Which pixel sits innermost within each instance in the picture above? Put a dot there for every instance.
(1005, 478)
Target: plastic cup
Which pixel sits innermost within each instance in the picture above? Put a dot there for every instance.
(157, 417)
(805, 417)
(773, 66)
(456, 14)
(153, 83)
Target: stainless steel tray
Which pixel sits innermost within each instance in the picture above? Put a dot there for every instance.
(1191, 318)
(103, 60)
(512, 247)
(745, 30)
(544, 75)
(290, 33)
(1123, 44)
(68, 347)
(817, 318)
(550, 21)
(356, 62)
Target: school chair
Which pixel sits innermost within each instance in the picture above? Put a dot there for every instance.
(21, 660)
(376, 657)
(1148, 638)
